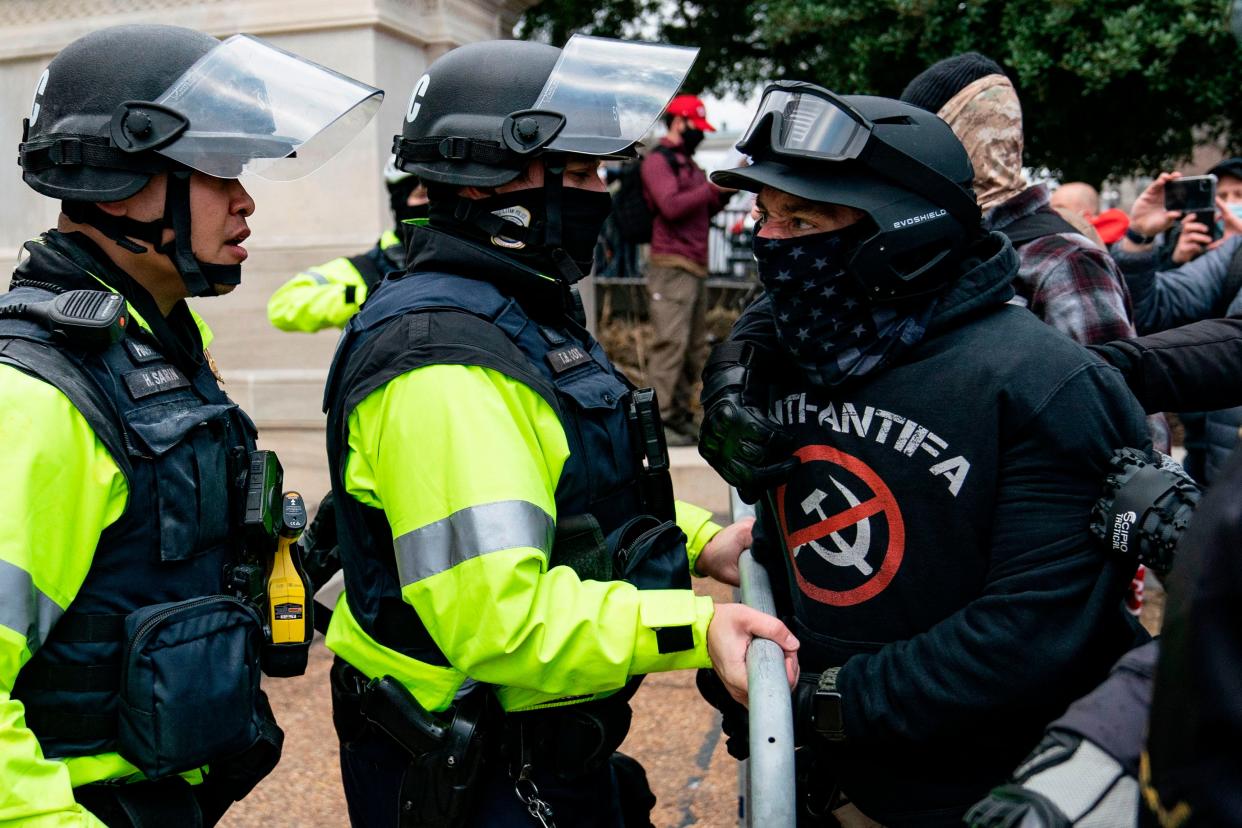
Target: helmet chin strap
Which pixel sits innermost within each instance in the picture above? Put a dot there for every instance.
(200, 277)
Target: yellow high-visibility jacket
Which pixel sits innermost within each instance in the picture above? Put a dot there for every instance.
(464, 462)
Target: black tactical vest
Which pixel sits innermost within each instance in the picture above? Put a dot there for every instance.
(182, 445)
(436, 318)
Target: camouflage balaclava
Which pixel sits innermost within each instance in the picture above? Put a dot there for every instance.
(987, 118)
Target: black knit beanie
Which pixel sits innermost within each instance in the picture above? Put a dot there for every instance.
(938, 83)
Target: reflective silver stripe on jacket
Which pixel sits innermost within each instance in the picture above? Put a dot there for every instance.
(319, 278)
(23, 608)
(469, 533)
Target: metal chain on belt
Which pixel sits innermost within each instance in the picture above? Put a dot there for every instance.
(528, 795)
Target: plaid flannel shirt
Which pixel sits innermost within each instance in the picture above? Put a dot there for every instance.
(1072, 284)
(1065, 279)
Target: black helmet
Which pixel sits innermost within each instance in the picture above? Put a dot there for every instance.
(899, 164)
(67, 150)
(483, 111)
(121, 104)
(461, 110)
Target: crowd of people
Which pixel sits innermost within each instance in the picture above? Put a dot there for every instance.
(946, 371)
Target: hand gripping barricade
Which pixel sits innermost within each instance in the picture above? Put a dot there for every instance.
(767, 779)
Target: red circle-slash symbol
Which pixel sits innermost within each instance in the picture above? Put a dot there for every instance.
(881, 502)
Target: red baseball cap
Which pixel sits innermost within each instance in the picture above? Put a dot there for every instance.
(691, 108)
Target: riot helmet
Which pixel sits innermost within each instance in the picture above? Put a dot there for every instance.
(900, 165)
(122, 104)
(483, 112)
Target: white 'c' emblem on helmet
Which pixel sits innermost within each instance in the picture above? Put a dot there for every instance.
(35, 106)
(420, 89)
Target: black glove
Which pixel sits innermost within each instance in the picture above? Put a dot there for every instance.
(1147, 505)
(739, 440)
(321, 557)
(804, 709)
(735, 719)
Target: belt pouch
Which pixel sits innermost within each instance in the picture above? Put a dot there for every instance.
(189, 684)
(651, 554)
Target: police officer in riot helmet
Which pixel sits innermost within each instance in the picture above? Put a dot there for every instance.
(925, 457)
(514, 559)
(124, 653)
(328, 294)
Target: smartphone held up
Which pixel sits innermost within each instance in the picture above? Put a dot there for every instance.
(1194, 194)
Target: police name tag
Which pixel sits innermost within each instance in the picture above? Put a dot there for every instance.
(563, 359)
(154, 380)
(140, 351)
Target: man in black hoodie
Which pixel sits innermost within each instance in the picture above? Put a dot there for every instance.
(931, 529)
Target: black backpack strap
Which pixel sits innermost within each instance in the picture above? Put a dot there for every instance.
(1233, 282)
(368, 267)
(674, 162)
(46, 362)
(1036, 226)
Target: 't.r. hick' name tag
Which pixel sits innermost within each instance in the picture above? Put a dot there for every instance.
(154, 380)
(563, 359)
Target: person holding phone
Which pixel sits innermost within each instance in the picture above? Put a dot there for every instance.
(1206, 285)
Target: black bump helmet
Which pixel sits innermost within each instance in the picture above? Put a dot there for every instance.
(78, 94)
(900, 165)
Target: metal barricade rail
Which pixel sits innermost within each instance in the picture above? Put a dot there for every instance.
(767, 779)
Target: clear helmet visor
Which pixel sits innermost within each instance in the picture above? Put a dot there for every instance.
(806, 123)
(254, 108)
(611, 91)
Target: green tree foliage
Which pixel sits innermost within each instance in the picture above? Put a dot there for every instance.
(1108, 87)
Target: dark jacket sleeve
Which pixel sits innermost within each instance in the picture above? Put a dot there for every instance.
(1191, 368)
(1047, 623)
(1168, 298)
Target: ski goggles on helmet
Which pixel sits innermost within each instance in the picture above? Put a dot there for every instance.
(798, 121)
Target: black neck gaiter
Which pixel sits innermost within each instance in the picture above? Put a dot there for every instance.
(583, 213)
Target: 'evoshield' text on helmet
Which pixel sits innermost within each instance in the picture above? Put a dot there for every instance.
(900, 165)
(123, 103)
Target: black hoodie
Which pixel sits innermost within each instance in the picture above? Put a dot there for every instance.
(939, 529)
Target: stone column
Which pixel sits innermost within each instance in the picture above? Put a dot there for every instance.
(339, 210)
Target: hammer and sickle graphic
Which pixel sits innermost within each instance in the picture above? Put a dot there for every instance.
(848, 554)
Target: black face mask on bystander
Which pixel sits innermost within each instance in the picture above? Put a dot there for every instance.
(691, 138)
